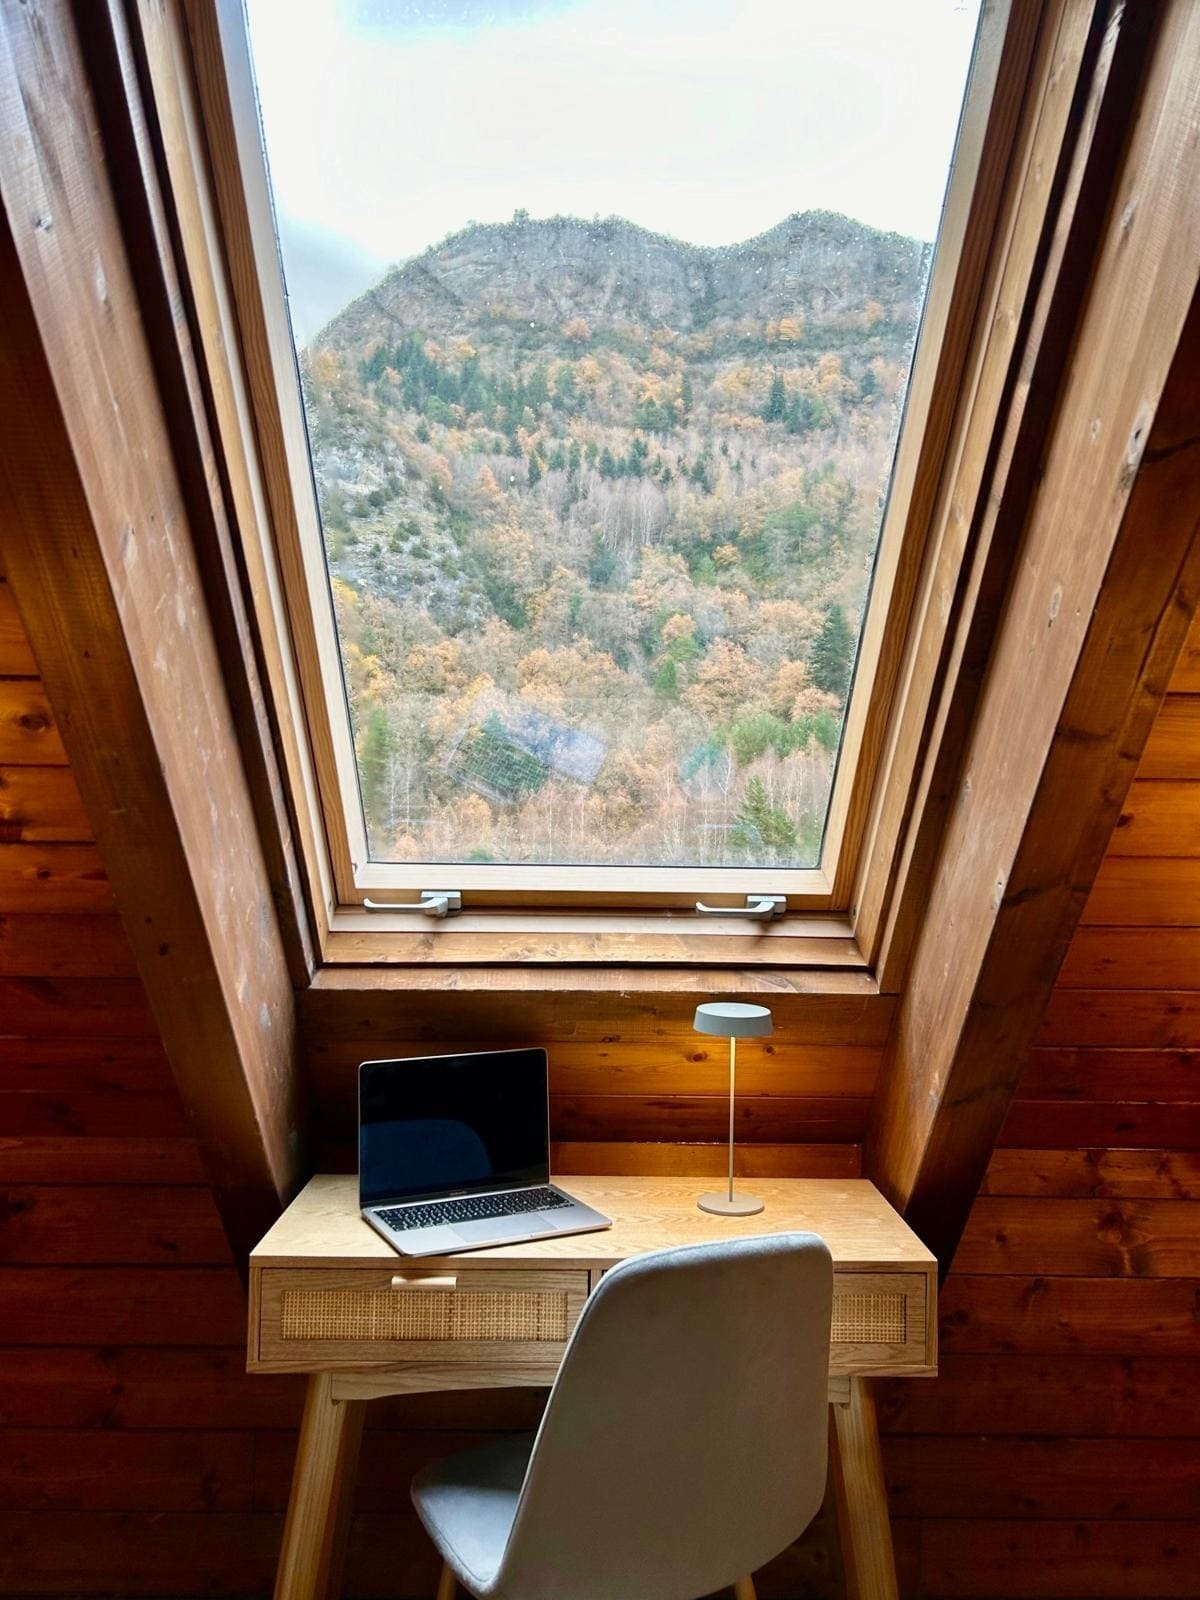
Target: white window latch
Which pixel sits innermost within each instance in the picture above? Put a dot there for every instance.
(433, 903)
(758, 908)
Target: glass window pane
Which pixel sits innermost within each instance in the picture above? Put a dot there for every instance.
(604, 315)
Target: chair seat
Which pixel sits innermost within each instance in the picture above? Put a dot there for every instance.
(467, 1503)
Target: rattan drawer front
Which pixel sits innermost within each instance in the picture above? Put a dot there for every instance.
(878, 1318)
(880, 1323)
(373, 1314)
(367, 1317)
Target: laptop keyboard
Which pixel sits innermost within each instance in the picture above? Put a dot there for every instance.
(477, 1208)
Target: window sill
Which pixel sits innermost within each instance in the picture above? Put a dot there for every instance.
(490, 941)
(594, 980)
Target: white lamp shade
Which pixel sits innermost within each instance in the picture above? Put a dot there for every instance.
(729, 1019)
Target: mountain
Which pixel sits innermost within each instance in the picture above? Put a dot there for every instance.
(817, 264)
(600, 510)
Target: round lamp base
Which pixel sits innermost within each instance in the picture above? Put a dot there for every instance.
(742, 1205)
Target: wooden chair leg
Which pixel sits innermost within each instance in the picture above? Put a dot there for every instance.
(447, 1588)
(743, 1589)
(321, 1501)
(863, 1528)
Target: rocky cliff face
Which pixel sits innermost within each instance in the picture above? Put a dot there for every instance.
(815, 265)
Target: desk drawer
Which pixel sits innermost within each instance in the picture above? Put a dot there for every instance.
(311, 1318)
(881, 1323)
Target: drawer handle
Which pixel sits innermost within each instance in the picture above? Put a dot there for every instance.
(400, 1281)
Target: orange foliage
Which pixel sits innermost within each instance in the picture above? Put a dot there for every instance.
(727, 682)
(549, 678)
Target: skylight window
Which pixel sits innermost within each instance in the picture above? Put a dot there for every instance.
(604, 318)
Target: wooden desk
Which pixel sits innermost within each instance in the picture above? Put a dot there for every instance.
(330, 1298)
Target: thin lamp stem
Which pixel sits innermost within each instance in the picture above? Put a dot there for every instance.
(732, 1070)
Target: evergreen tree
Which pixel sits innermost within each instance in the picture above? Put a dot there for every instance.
(537, 391)
(777, 400)
(374, 757)
(566, 394)
(655, 416)
(602, 563)
(685, 395)
(807, 411)
(832, 656)
(375, 364)
(666, 681)
(761, 826)
(700, 474)
(535, 470)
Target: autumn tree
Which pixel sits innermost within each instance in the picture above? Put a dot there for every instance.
(725, 682)
(678, 636)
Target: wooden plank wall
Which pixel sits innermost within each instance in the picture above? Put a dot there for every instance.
(126, 1466)
(631, 1082)
(1058, 1454)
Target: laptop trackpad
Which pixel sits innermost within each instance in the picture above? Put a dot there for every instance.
(435, 1241)
(497, 1228)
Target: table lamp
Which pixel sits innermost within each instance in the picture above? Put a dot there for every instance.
(728, 1019)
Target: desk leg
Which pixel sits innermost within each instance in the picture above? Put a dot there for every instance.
(319, 1507)
(863, 1529)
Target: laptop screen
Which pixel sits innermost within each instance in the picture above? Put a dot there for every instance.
(452, 1124)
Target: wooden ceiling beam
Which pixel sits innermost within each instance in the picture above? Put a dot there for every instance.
(101, 556)
(1098, 594)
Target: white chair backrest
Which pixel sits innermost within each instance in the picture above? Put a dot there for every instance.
(684, 1441)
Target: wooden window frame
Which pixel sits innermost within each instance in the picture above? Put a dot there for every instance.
(199, 70)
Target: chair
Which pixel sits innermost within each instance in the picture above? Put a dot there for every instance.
(683, 1444)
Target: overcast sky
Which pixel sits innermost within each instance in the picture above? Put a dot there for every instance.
(390, 123)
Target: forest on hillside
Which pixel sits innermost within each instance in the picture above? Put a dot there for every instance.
(600, 511)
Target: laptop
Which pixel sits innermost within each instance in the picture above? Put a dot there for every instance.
(454, 1153)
